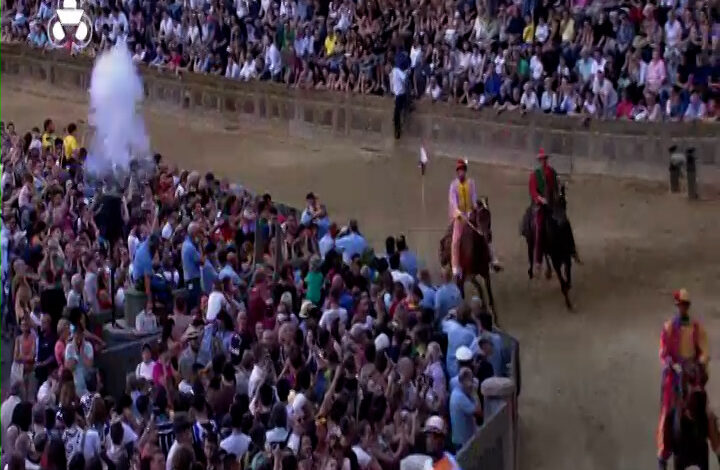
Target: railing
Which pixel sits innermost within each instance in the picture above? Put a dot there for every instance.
(494, 445)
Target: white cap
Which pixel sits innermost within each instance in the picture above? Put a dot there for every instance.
(435, 424)
(463, 353)
(382, 342)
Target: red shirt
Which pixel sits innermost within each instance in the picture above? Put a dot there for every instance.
(257, 308)
(549, 181)
(624, 109)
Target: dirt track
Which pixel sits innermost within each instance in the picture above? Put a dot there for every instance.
(590, 377)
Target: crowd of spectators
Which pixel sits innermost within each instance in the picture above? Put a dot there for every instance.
(644, 60)
(338, 359)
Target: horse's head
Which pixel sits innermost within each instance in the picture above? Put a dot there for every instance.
(481, 216)
(559, 208)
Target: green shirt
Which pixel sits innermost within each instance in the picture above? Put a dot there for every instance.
(523, 68)
(314, 282)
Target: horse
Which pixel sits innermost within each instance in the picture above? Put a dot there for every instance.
(474, 253)
(689, 424)
(558, 243)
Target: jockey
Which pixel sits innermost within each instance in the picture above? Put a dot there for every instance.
(682, 340)
(462, 199)
(543, 187)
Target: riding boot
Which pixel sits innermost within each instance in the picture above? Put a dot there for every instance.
(662, 464)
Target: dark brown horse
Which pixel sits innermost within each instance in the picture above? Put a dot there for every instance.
(474, 253)
(557, 242)
(689, 426)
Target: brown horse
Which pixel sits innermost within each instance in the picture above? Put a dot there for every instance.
(474, 253)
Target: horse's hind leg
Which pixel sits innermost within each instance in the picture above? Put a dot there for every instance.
(568, 273)
(548, 267)
(531, 258)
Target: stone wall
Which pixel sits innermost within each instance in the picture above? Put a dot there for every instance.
(604, 147)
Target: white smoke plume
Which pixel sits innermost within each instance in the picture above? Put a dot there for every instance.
(116, 93)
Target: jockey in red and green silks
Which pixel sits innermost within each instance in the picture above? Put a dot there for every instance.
(543, 187)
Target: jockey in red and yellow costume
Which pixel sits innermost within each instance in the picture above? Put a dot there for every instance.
(543, 187)
(683, 340)
(462, 199)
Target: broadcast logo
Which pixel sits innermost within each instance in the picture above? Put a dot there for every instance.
(70, 24)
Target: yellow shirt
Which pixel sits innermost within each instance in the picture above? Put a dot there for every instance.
(48, 140)
(464, 203)
(686, 345)
(69, 146)
(529, 33)
(330, 44)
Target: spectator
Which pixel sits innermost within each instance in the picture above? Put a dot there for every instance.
(79, 358)
(464, 408)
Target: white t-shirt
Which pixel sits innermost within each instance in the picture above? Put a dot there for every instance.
(403, 278)
(145, 370)
(236, 443)
(273, 59)
(329, 316)
(133, 243)
(529, 100)
(232, 70)
(673, 32)
(145, 323)
(216, 303)
(536, 67)
(363, 457)
(167, 231)
(415, 52)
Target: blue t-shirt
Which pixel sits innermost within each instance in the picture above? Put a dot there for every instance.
(190, 260)
(462, 417)
(142, 264)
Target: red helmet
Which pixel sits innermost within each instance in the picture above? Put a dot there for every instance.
(541, 154)
(461, 165)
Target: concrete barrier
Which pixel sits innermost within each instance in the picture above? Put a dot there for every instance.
(617, 148)
(494, 445)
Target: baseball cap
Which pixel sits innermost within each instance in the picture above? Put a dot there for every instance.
(463, 353)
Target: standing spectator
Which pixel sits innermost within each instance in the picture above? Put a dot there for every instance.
(79, 359)
(45, 362)
(398, 87)
(192, 260)
(447, 297)
(464, 409)
(182, 428)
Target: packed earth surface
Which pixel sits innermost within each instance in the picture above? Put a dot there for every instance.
(591, 376)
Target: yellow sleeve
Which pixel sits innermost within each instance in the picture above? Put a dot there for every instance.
(703, 345)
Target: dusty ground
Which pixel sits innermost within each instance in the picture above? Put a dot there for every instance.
(590, 377)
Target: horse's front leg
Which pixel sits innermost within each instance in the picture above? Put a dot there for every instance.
(460, 281)
(557, 265)
(491, 300)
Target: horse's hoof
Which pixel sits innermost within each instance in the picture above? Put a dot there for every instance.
(530, 273)
(497, 267)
